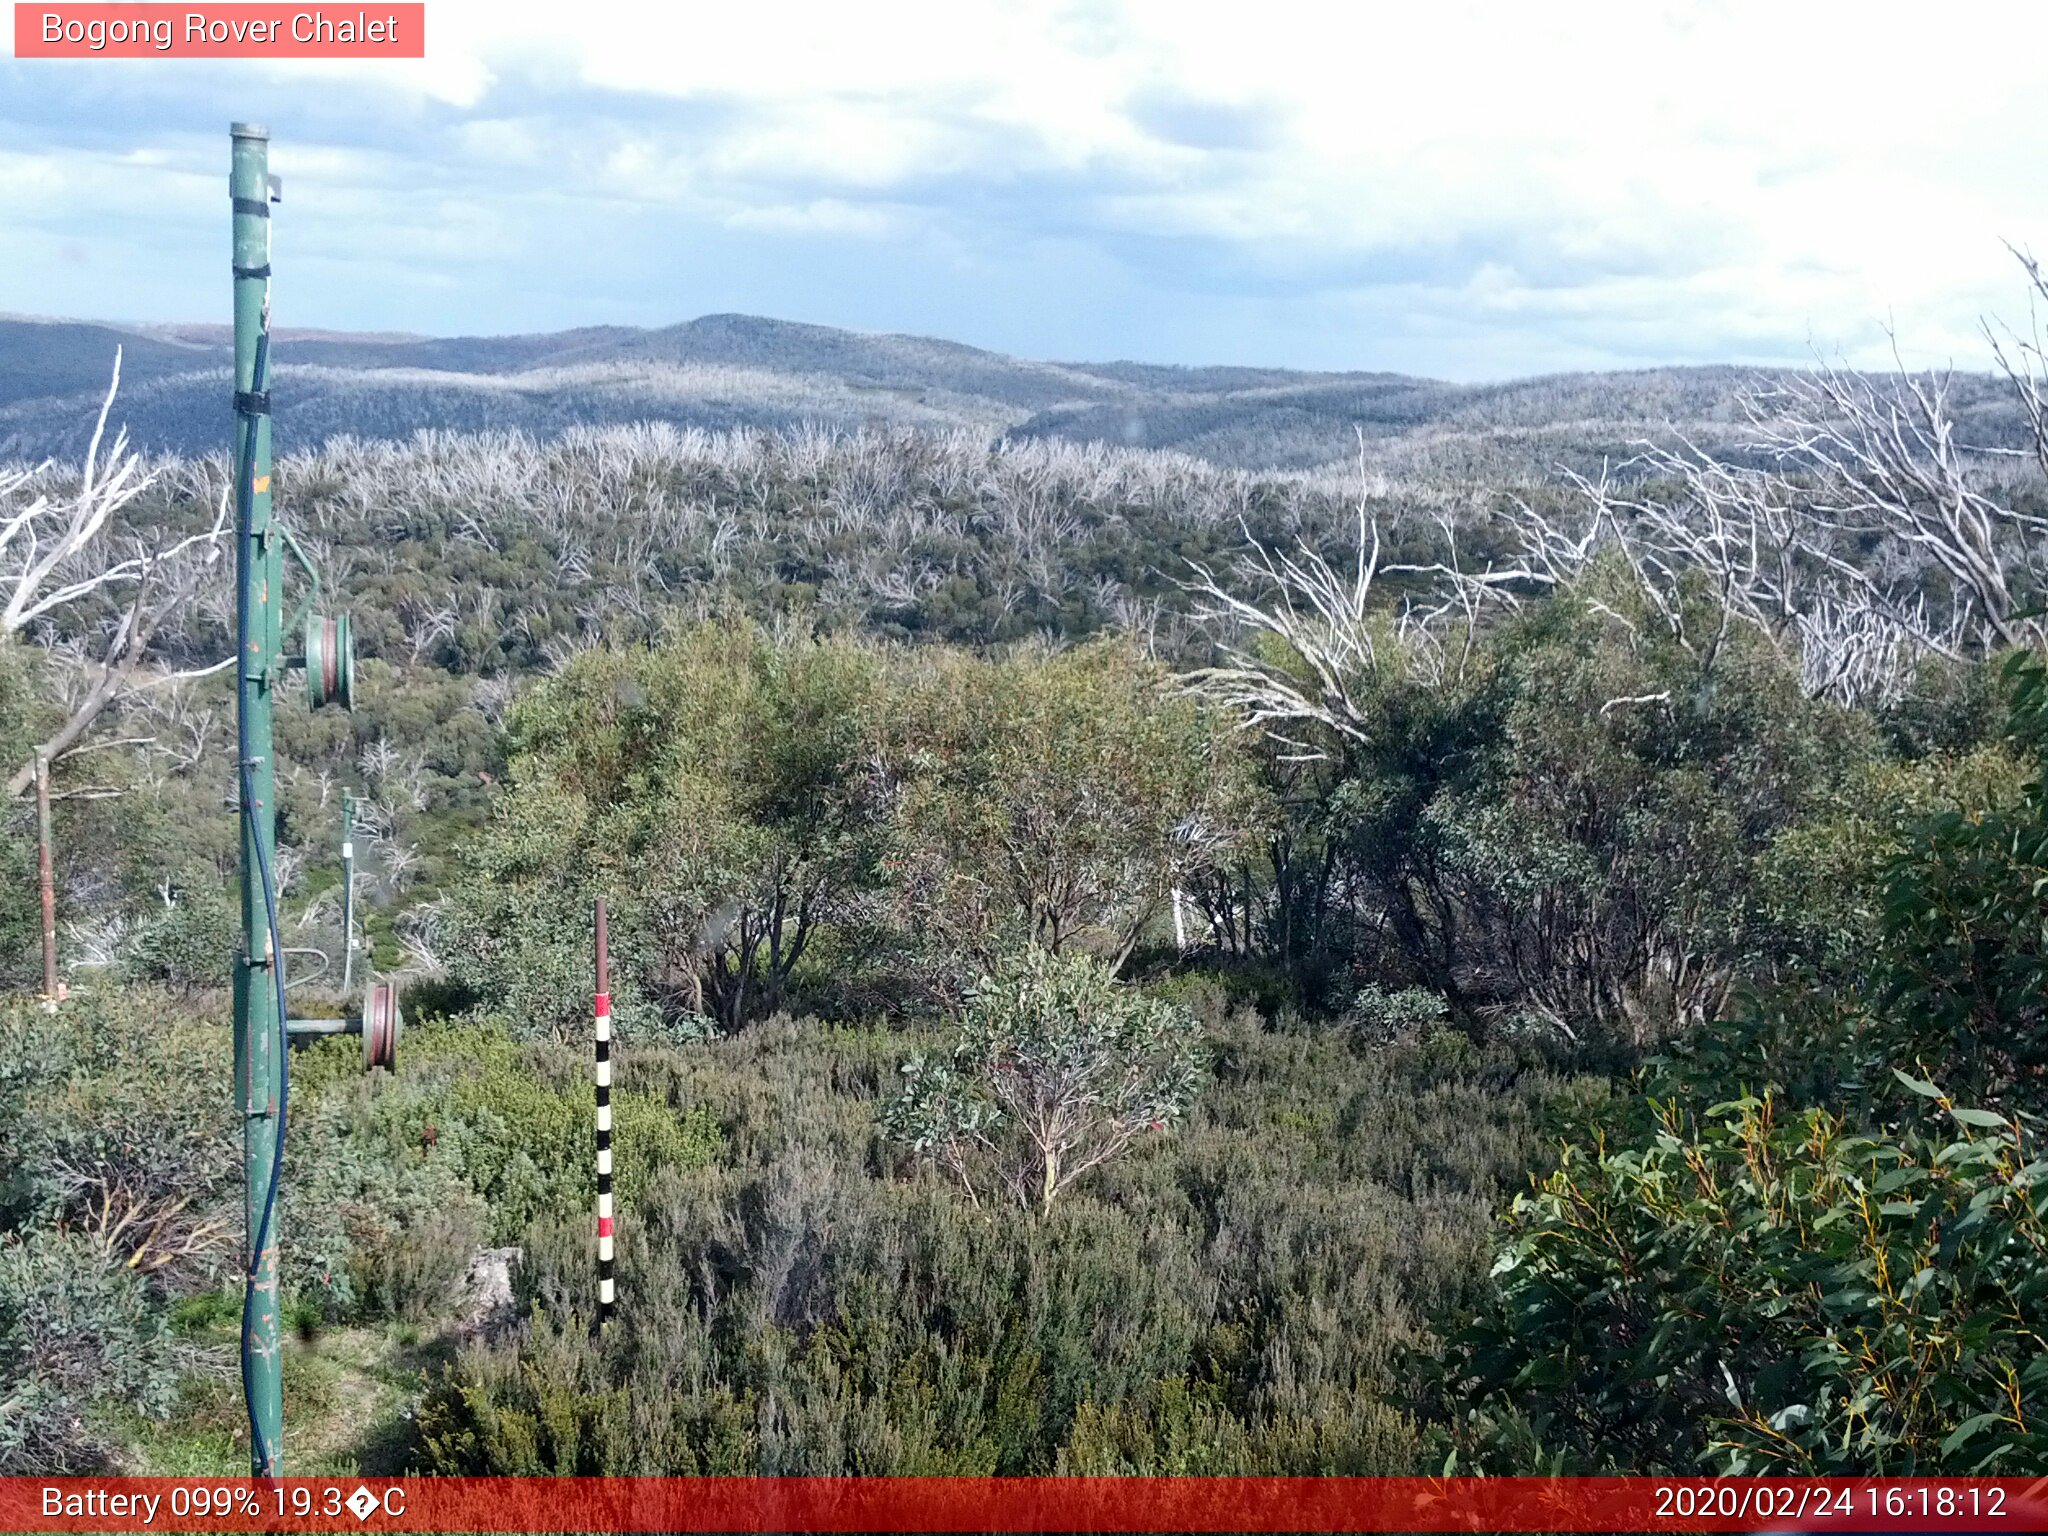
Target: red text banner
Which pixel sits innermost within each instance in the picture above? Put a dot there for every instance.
(217, 31)
(1024, 1504)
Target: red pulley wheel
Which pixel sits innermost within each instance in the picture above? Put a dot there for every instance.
(381, 1023)
(330, 661)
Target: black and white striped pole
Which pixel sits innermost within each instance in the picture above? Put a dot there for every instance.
(603, 1015)
(348, 892)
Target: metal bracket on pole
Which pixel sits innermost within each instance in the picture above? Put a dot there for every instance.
(312, 597)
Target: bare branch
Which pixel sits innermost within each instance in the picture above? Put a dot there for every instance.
(55, 553)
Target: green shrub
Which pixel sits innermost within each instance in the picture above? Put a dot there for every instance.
(1966, 953)
(370, 1228)
(400, 1180)
(116, 1122)
(1764, 1293)
(724, 788)
(78, 1332)
(1380, 1017)
(190, 944)
(1236, 1297)
(1054, 800)
(1822, 886)
(1854, 1286)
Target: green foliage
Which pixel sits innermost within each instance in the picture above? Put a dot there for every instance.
(1382, 1017)
(1568, 824)
(190, 944)
(375, 1228)
(1055, 1071)
(723, 787)
(399, 1181)
(115, 1191)
(1234, 1298)
(765, 807)
(520, 935)
(1581, 839)
(22, 706)
(1056, 800)
(21, 913)
(1823, 884)
(1904, 920)
(1855, 1286)
(113, 1126)
(1604, 866)
(1952, 708)
(1771, 1293)
(78, 1333)
(1967, 950)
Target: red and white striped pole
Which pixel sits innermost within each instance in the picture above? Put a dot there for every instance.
(604, 1123)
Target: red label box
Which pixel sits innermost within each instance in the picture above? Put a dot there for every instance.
(214, 31)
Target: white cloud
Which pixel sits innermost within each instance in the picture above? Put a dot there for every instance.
(1727, 169)
(824, 216)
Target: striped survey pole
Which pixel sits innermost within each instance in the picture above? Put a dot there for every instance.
(604, 1124)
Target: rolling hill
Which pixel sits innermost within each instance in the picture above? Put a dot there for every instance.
(741, 371)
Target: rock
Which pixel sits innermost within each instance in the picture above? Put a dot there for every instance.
(487, 1305)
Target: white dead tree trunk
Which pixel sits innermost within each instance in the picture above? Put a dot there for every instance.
(1873, 536)
(1300, 638)
(1861, 532)
(58, 550)
(2021, 358)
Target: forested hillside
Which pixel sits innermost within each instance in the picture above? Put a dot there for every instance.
(1123, 962)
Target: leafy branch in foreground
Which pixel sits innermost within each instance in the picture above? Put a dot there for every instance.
(1764, 1292)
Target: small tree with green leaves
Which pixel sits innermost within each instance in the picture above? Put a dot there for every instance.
(1967, 951)
(1057, 1069)
(723, 788)
(1058, 800)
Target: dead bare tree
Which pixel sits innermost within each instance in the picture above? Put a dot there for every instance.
(1882, 460)
(1332, 633)
(1321, 617)
(2021, 358)
(1870, 537)
(377, 760)
(422, 936)
(1859, 530)
(58, 551)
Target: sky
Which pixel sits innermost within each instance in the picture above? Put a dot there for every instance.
(1462, 190)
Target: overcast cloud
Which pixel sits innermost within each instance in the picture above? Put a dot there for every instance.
(1468, 191)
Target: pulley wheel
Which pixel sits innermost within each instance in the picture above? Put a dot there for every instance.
(330, 660)
(381, 1023)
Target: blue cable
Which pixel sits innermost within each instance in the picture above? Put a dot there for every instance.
(259, 1447)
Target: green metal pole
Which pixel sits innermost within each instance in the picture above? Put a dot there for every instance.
(259, 1050)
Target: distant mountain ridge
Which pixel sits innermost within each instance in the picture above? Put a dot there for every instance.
(742, 371)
